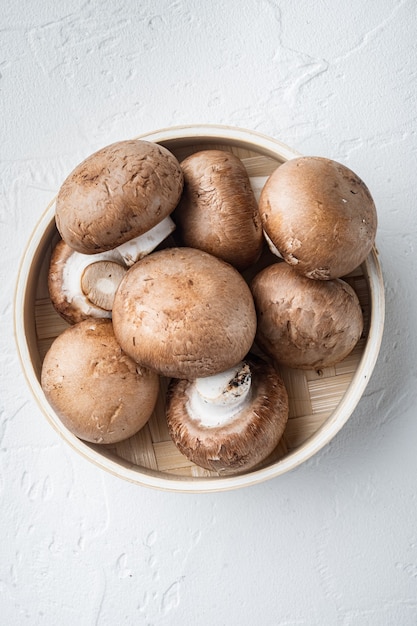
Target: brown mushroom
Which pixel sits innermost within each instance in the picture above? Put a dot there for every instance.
(304, 323)
(218, 212)
(117, 194)
(100, 394)
(81, 285)
(184, 313)
(230, 422)
(319, 215)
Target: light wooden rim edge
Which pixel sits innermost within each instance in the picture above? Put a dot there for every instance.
(221, 132)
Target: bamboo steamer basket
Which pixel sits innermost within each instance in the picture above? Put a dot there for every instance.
(320, 401)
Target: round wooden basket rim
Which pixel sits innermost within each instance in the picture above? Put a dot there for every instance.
(157, 480)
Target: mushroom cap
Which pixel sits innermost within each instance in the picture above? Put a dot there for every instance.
(319, 215)
(218, 211)
(304, 323)
(100, 394)
(116, 194)
(244, 441)
(64, 283)
(184, 313)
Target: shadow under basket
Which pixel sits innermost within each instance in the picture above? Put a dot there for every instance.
(320, 401)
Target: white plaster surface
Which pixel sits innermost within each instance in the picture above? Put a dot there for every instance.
(332, 543)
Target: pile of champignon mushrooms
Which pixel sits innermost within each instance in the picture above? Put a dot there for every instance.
(199, 311)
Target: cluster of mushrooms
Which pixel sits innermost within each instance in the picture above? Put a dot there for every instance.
(203, 311)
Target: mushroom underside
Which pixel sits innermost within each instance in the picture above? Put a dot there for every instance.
(244, 441)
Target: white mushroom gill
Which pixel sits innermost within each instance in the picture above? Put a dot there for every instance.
(135, 249)
(257, 183)
(127, 254)
(272, 246)
(216, 400)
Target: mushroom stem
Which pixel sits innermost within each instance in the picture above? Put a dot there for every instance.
(215, 400)
(138, 247)
(74, 268)
(99, 282)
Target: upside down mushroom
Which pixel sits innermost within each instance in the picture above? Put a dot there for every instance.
(229, 422)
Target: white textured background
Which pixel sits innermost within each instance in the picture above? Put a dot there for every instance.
(333, 543)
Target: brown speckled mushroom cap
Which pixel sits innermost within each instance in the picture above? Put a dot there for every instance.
(246, 439)
(218, 211)
(319, 215)
(184, 313)
(116, 194)
(100, 394)
(304, 323)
